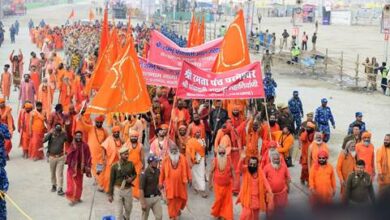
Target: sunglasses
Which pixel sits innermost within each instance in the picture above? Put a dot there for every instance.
(221, 153)
(322, 158)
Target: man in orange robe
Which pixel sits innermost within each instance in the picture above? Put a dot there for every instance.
(44, 96)
(196, 148)
(365, 151)
(265, 131)
(322, 181)
(174, 177)
(182, 138)
(285, 141)
(195, 125)
(137, 157)
(111, 147)
(279, 179)
(346, 165)
(5, 83)
(7, 119)
(315, 147)
(252, 139)
(255, 193)
(96, 135)
(383, 164)
(221, 179)
(306, 137)
(38, 130)
(24, 128)
(179, 115)
(35, 77)
(66, 94)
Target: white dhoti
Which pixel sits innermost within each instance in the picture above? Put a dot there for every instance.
(198, 175)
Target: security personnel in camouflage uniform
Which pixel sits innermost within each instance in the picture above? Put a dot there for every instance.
(322, 117)
(296, 109)
(4, 135)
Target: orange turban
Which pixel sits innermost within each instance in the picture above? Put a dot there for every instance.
(183, 126)
(28, 105)
(2, 100)
(133, 133)
(164, 126)
(116, 129)
(323, 153)
(100, 118)
(366, 135)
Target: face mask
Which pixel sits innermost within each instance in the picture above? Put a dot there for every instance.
(252, 170)
(322, 162)
(366, 143)
(133, 140)
(272, 123)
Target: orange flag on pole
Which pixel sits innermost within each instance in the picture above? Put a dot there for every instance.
(195, 36)
(104, 35)
(124, 89)
(105, 61)
(234, 49)
(201, 34)
(72, 14)
(91, 15)
(191, 30)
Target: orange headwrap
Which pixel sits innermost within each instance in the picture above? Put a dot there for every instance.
(133, 133)
(116, 129)
(164, 126)
(323, 153)
(366, 135)
(100, 118)
(28, 105)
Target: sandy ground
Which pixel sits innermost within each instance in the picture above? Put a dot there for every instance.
(30, 181)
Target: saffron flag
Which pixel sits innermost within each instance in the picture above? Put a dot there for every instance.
(191, 30)
(242, 83)
(124, 89)
(105, 61)
(104, 35)
(91, 15)
(72, 14)
(234, 50)
(194, 37)
(201, 34)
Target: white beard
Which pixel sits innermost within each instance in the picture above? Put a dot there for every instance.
(174, 158)
(275, 166)
(222, 160)
(353, 153)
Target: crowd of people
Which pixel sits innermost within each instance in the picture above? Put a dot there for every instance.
(246, 145)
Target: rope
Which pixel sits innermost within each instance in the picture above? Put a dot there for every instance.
(4, 195)
(93, 200)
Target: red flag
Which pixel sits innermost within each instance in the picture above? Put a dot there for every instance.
(124, 89)
(71, 15)
(234, 50)
(105, 33)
